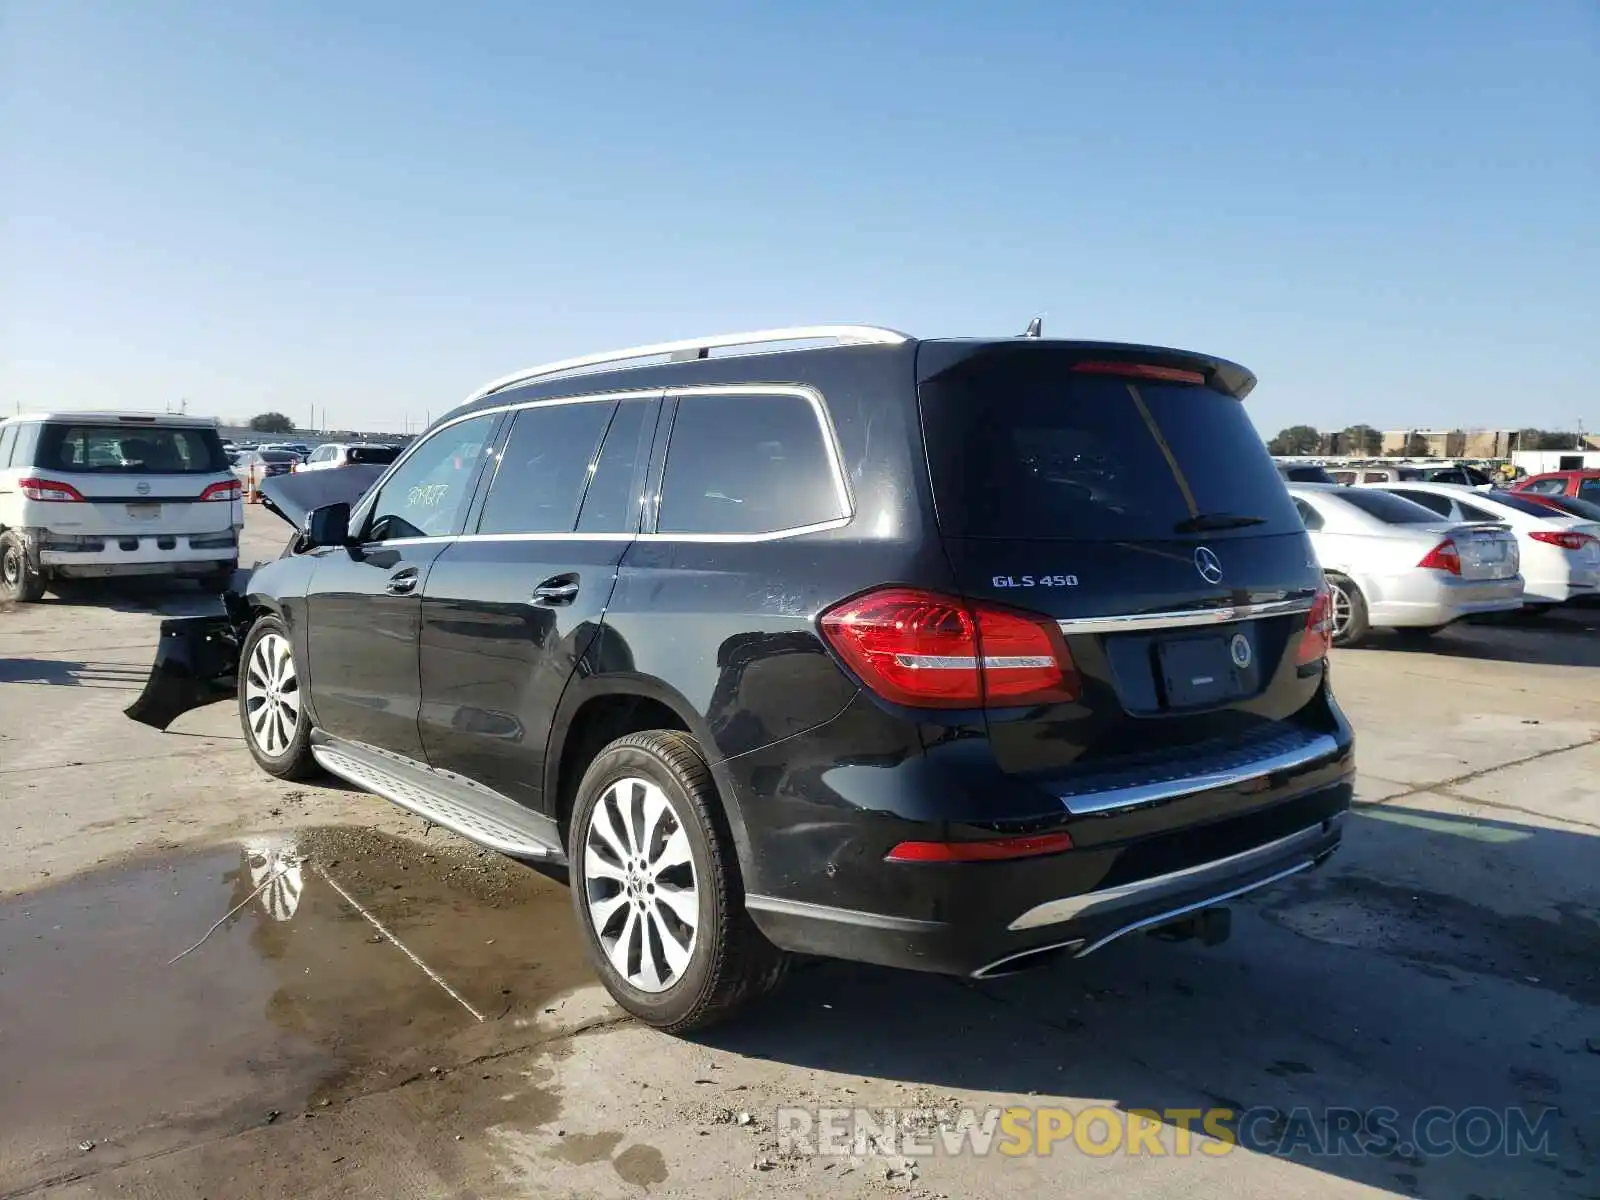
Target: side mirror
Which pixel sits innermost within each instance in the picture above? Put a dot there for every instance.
(329, 525)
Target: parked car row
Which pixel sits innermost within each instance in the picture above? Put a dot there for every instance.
(1414, 557)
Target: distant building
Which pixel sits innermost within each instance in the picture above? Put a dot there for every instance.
(1449, 443)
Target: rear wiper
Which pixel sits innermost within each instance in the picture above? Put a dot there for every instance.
(1207, 522)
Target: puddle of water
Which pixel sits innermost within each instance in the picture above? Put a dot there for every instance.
(294, 999)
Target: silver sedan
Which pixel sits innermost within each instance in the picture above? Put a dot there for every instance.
(1393, 564)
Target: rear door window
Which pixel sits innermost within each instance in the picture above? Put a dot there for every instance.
(1547, 487)
(1021, 447)
(8, 439)
(1390, 508)
(131, 450)
(1589, 489)
(539, 482)
(1428, 500)
(749, 463)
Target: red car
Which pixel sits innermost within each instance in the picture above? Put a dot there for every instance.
(1584, 484)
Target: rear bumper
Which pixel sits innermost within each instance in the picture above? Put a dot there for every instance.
(984, 944)
(1151, 840)
(80, 554)
(1427, 599)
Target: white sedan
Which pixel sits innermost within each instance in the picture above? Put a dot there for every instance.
(330, 455)
(1560, 552)
(1392, 564)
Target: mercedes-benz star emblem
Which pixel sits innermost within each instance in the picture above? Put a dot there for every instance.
(1208, 564)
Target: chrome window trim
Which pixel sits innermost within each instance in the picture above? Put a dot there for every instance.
(1184, 618)
(358, 515)
(811, 395)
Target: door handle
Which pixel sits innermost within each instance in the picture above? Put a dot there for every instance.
(403, 582)
(563, 589)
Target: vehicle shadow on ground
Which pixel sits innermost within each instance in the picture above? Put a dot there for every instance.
(57, 672)
(167, 598)
(1337, 992)
(1558, 640)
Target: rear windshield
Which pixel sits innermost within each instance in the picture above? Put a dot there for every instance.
(373, 454)
(277, 456)
(130, 449)
(1020, 447)
(1389, 508)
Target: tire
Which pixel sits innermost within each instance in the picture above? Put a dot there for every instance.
(711, 971)
(19, 582)
(269, 696)
(1353, 629)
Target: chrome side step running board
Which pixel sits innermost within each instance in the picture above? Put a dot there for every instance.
(457, 804)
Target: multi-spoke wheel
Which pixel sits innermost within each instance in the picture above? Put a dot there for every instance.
(638, 876)
(272, 710)
(657, 889)
(1348, 611)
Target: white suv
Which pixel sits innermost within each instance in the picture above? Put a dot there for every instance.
(98, 494)
(344, 454)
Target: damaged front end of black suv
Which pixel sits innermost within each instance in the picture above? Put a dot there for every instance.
(197, 659)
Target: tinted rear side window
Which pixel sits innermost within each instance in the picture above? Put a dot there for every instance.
(8, 438)
(539, 483)
(747, 464)
(131, 450)
(370, 455)
(1389, 508)
(1021, 447)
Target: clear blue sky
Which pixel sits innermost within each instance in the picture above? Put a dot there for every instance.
(1390, 211)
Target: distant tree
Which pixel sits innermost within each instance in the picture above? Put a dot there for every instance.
(1416, 446)
(271, 422)
(1297, 439)
(1363, 440)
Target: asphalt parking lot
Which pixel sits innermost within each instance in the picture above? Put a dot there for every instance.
(213, 984)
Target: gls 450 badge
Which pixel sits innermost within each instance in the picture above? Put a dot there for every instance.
(1026, 581)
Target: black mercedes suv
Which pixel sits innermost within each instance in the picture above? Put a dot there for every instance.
(953, 655)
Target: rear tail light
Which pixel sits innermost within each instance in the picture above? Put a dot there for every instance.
(1567, 541)
(925, 650)
(50, 490)
(223, 491)
(1140, 371)
(1443, 557)
(993, 850)
(1317, 638)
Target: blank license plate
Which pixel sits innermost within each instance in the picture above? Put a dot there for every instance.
(144, 512)
(1198, 671)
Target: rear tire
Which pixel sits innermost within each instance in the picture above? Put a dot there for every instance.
(272, 709)
(646, 825)
(1350, 625)
(19, 582)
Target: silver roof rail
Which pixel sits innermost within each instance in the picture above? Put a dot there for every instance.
(844, 335)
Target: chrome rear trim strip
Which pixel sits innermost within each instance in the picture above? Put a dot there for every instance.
(1221, 871)
(1184, 618)
(1088, 801)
